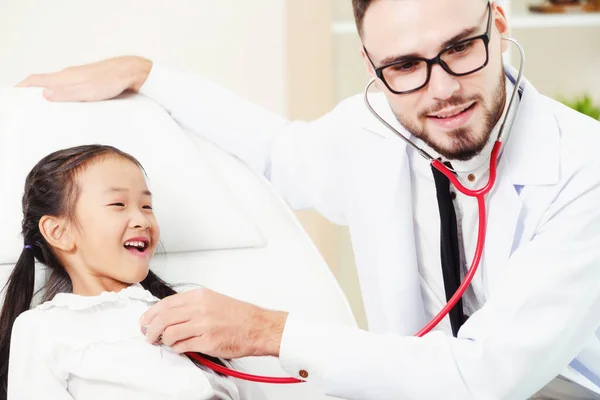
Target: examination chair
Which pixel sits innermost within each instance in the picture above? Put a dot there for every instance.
(223, 226)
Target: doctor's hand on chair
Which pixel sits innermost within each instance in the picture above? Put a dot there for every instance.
(93, 82)
(211, 323)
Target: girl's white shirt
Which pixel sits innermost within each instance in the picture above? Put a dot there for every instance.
(80, 347)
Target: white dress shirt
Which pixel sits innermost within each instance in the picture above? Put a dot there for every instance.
(473, 174)
(80, 347)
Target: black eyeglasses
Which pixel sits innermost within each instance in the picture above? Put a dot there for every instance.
(458, 59)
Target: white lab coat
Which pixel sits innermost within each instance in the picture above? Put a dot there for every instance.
(541, 265)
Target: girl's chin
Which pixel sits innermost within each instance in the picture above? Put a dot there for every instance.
(134, 275)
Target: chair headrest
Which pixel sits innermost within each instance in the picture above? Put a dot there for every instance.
(31, 128)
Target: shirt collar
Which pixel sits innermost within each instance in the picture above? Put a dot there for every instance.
(78, 302)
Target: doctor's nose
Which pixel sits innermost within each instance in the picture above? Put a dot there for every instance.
(442, 85)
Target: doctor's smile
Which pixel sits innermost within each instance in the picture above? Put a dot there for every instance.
(474, 227)
(452, 118)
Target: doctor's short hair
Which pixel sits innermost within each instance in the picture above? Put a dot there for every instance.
(360, 8)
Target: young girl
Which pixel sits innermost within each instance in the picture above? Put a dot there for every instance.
(87, 216)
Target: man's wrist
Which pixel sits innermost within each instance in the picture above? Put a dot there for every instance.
(268, 332)
(138, 69)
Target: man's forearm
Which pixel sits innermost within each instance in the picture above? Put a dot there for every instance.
(213, 112)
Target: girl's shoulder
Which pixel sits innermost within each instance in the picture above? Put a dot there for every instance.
(28, 319)
(70, 326)
(41, 324)
(34, 327)
(72, 318)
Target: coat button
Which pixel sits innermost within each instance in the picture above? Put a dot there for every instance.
(471, 177)
(303, 373)
(453, 195)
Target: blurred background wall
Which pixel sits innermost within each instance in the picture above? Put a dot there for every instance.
(240, 44)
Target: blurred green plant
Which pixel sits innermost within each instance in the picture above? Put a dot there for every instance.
(584, 105)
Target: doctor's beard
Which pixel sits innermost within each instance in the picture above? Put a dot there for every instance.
(466, 142)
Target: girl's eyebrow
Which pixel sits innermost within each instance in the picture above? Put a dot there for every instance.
(118, 189)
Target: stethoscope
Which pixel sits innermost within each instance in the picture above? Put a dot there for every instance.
(479, 194)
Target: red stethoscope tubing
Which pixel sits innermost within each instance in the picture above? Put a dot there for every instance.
(240, 375)
(479, 194)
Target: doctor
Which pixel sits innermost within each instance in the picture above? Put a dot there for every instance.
(528, 324)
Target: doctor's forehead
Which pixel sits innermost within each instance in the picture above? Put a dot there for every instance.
(417, 26)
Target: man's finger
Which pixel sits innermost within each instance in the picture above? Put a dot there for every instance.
(40, 80)
(28, 82)
(67, 93)
(180, 332)
(176, 300)
(195, 344)
(164, 320)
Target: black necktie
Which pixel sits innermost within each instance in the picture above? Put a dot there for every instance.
(449, 246)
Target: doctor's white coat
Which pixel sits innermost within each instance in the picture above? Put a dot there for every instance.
(541, 266)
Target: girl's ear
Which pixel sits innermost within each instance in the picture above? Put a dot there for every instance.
(57, 232)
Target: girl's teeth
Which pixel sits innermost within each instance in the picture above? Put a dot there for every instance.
(135, 244)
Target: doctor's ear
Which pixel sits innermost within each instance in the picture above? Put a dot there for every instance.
(57, 232)
(369, 67)
(501, 24)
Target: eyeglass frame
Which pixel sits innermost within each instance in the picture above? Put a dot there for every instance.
(437, 59)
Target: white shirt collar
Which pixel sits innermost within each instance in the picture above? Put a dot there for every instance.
(78, 302)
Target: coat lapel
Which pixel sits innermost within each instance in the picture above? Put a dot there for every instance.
(391, 277)
(503, 209)
(530, 159)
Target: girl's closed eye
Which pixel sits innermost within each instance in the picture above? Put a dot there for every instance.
(118, 204)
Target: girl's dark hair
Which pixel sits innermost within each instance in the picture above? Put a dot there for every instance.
(51, 189)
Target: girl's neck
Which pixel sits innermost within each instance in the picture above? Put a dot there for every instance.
(94, 285)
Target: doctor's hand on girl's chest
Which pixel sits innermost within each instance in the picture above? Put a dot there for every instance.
(208, 322)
